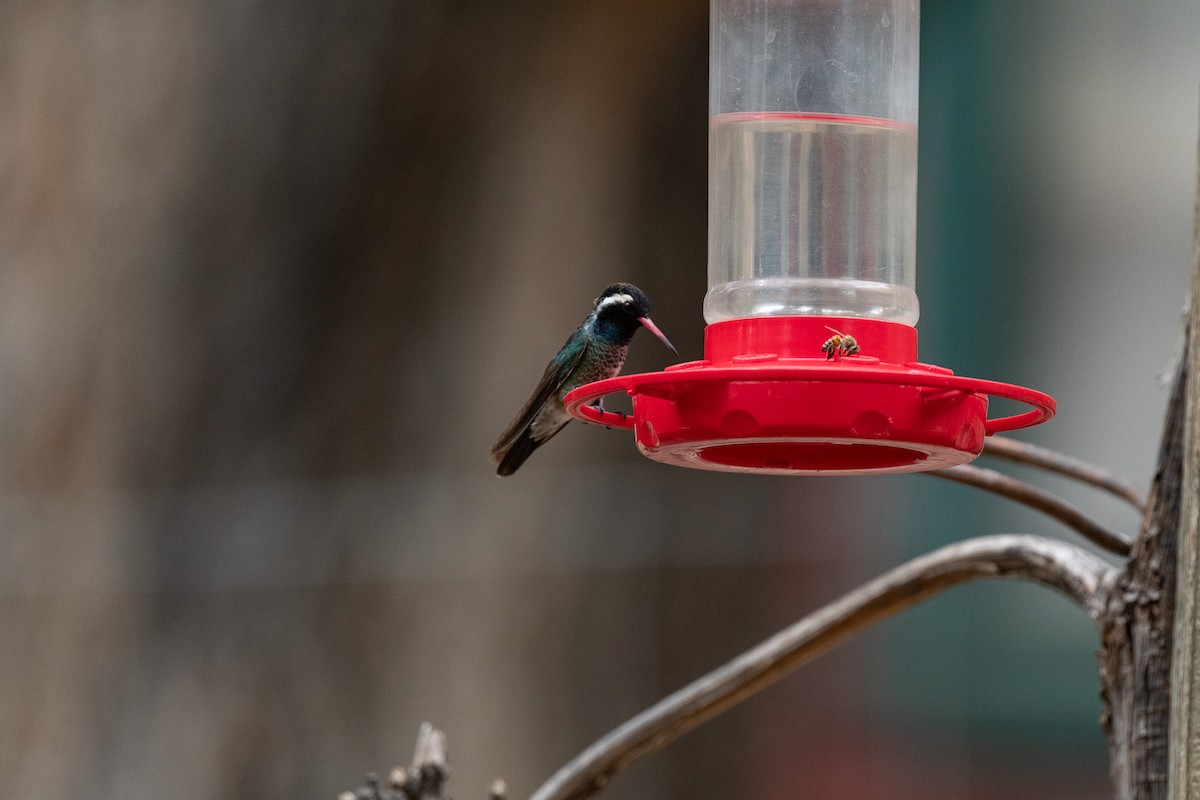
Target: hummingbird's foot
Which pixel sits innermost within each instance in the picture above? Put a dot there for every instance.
(620, 414)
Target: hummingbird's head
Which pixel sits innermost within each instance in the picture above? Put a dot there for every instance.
(620, 309)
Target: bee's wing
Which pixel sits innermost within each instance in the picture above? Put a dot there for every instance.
(552, 380)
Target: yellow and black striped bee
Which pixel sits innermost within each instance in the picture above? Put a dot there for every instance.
(838, 345)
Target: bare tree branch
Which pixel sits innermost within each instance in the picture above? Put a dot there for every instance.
(1070, 570)
(1040, 499)
(424, 779)
(1071, 467)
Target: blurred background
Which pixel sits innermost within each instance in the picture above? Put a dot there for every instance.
(273, 276)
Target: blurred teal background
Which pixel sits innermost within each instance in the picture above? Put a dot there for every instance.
(272, 279)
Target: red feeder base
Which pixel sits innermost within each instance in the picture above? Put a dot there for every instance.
(766, 400)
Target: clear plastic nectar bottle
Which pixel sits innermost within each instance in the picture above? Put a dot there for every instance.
(813, 159)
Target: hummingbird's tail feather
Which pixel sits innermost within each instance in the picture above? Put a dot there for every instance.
(514, 456)
(510, 452)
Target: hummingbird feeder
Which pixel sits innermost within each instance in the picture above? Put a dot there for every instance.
(810, 351)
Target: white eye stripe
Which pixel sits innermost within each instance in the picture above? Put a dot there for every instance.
(615, 299)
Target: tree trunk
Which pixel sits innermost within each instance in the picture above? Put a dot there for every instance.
(1136, 639)
(1143, 644)
(1185, 683)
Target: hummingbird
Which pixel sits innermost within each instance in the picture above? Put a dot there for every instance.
(595, 351)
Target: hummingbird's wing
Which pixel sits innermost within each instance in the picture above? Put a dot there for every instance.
(557, 372)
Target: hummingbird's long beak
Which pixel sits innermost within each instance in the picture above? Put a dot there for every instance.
(650, 326)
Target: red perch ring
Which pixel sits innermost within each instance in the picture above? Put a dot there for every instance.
(766, 400)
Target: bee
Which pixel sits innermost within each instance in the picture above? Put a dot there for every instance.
(838, 345)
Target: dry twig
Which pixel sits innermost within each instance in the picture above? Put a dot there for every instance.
(1071, 467)
(1068, 569)
(1040, 499)
(424, 779)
